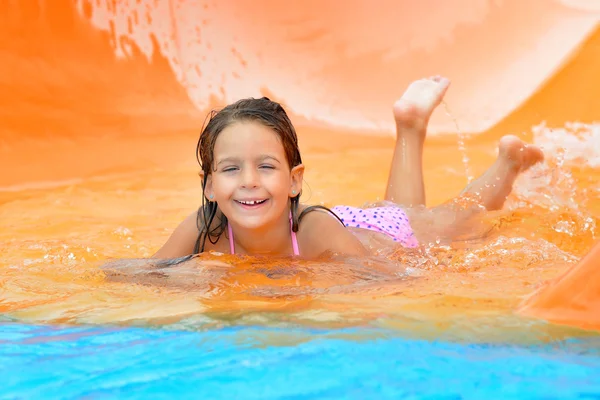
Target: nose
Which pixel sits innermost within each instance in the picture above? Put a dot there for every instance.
(250, 179)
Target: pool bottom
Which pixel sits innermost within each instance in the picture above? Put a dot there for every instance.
(262, 363)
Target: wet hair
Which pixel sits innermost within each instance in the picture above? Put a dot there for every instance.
(272, 115)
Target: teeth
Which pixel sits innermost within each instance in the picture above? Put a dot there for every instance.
(251, 202)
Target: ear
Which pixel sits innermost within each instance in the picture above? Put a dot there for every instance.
(297, 176)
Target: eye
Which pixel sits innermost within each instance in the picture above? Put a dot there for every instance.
(229, 169)
(266, 166)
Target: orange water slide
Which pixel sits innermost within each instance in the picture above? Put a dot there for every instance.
(572, 298)
(60, 78)
(70, 109)
(60, 75)
(570, 95)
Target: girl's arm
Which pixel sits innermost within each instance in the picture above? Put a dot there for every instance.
(182, 240)
(189, 272)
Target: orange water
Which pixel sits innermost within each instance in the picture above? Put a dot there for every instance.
(98, 139)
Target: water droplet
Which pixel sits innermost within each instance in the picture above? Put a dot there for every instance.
(462, 137)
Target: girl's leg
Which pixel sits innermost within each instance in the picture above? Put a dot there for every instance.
(488, 192)
(405, 182)
(412, 112)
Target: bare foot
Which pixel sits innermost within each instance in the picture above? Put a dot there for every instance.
(518, 154)
(412, 112)
(414, 108)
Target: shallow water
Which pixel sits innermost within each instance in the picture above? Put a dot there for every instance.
(262, 363)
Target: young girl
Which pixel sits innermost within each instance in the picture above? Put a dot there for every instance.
(252, 176)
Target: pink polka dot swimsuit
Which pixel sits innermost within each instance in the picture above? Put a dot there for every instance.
(391, 221)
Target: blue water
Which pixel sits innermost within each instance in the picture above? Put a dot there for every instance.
(261, 363)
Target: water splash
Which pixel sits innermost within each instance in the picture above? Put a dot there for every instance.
(577, 143)
(571, 154)
(499, 251)
(462, 147)
(562, 192)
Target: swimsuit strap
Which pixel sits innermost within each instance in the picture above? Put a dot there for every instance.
(294, 240)
(292, 233)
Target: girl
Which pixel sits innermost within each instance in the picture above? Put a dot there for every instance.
(252, 176)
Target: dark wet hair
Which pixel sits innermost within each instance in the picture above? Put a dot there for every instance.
(272, 115)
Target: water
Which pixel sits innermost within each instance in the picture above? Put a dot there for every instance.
(262, 363)
(462, 147)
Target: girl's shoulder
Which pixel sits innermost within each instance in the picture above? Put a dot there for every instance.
(317, 212)
(321, 231)
(316, 217)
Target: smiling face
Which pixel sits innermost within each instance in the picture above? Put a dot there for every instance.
(251, 179)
